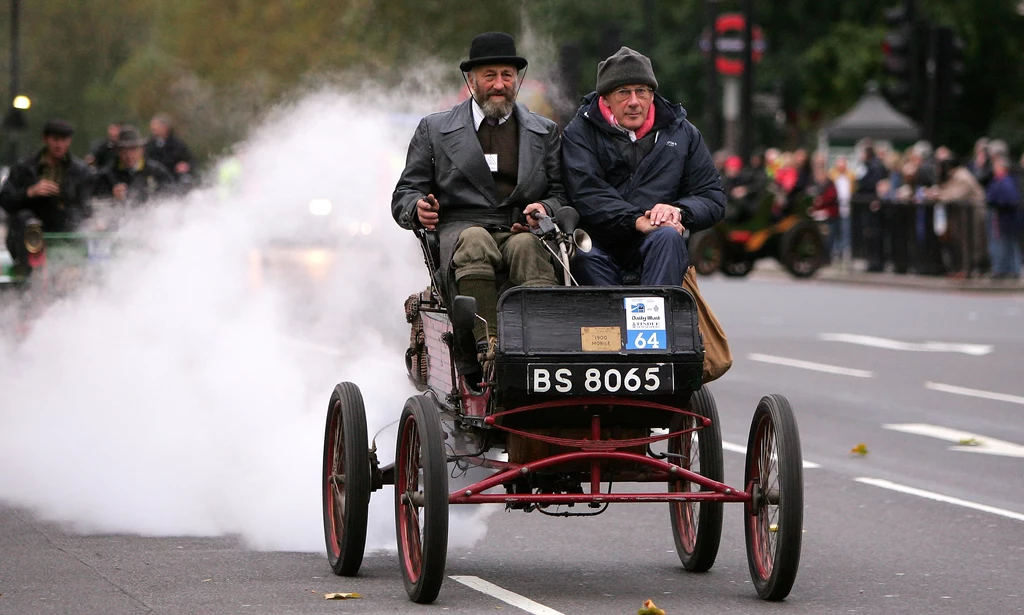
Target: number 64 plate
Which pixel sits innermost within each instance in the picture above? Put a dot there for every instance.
(600, 379)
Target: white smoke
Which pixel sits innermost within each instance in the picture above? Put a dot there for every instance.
(184, 393)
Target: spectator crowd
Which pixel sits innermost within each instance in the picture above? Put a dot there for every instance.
(57, 189)
(967, 211)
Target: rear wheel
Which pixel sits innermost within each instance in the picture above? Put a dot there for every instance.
(421, 499)
(346, 480)
(706, 252)
(773, 520)
(697, 526)
(802, 250)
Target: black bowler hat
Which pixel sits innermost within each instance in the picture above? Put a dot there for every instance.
(58, 128)
(492, 48)
(130, 137)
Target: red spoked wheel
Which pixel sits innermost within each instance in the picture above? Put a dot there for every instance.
(774, 515)
(421, 499)
(346, 480)
(697, 526)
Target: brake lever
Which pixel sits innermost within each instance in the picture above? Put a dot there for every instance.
(546, 225)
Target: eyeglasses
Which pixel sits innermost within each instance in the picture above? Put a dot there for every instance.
(623, 94)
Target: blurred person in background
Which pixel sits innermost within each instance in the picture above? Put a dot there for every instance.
(51, 186)
(958, 187)
(133, 179)
(757, 177)
(168, 149)
(804, 175)
(826, 206)
(720, 157)
(1003, 199)
(870, 172)
(742, 200)
(845, 182)
(981, 165)
(103, 152)
(640, 175)
(893, 162)
(772, 162)
(921, 157)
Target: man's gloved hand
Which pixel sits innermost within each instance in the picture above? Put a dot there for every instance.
(518, 227)
(427, 210)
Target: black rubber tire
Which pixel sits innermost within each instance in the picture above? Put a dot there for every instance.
(738, 268)
(698, 546)
(773, 519)
(421, 555)
(706, 250)
(802, 250)
(347, 458)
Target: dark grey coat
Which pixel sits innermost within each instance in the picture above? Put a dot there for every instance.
(445, 159)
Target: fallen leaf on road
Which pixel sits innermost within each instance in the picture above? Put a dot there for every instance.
(207, 580)
(341, 596)
(860, 449)
(649, 608)
(970, 442)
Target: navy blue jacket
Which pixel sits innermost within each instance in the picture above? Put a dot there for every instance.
(1003, 196)
(610, 195)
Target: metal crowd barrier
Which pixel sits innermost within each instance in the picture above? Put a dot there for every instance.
(921, 237)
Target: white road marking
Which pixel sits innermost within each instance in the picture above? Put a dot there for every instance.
(739, 448)
(979, 443)
(818, 367)
(514, 599)
(938, 497)
(975, 350)
(736, 448)
(949, 388)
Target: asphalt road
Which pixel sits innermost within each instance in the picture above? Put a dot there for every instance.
(918, 525)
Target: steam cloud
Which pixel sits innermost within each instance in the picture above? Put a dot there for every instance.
(184, 392)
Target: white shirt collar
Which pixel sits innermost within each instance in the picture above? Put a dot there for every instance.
(478, 115)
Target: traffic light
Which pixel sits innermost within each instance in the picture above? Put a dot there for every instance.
(904, 54)
(949, 69)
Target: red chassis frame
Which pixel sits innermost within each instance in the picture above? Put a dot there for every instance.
(595, 450)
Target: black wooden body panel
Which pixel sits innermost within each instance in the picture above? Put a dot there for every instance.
(543, 325)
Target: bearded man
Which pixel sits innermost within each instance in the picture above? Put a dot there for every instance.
(474, 174)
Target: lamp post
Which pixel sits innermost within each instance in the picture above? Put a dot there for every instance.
(14, 121)
(710, 129)
(747, 96)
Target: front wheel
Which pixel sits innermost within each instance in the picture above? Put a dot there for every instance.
(346, 480)
(697, 526)
(739, 268)
(421, 499)
(706, 250)
(802, 250)
(774, 516)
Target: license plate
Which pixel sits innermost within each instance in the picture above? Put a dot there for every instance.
(604, 379)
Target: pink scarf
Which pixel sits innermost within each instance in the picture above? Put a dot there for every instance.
(641, 132)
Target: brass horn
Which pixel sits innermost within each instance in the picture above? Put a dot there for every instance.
(581, 239)
(568, 220)
(34, 236)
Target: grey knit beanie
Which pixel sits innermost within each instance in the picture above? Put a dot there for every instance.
(624, 67)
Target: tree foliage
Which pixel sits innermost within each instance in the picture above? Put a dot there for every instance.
(217, 65)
